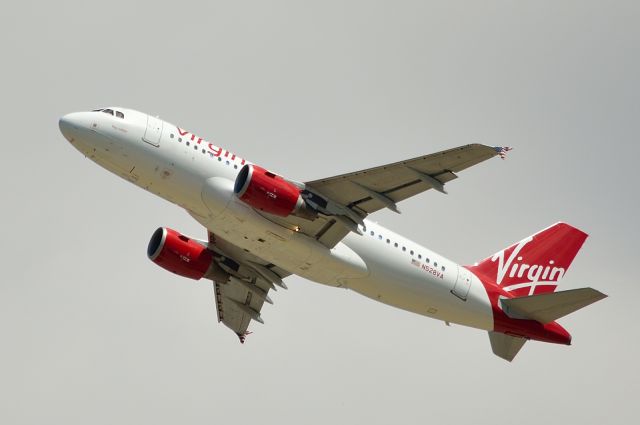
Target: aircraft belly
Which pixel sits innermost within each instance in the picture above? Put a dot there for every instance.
(238, 223)
(242, 226)
(397, 282)
(333, 267)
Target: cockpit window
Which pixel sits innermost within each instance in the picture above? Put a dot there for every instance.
(110, 112)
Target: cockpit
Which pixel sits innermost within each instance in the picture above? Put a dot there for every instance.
(113, 112)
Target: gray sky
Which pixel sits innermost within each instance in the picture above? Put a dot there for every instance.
(92, 332)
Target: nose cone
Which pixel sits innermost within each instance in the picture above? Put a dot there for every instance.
(66, 126)
(71, 124)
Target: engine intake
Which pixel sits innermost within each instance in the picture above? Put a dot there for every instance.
(183, 256)
(268, 192)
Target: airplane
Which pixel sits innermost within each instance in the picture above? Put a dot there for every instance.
(263, 227)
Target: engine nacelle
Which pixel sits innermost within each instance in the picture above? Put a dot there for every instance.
(183, 256)
(268, 192)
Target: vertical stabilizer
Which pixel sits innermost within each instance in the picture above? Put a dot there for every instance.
(535, 264)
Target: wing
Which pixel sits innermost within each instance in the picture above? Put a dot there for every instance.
(381, 187)
(239, 297)
(345, 200)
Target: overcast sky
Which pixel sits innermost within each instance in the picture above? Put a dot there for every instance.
(93, 332)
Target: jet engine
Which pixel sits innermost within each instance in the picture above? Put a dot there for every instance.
(268, 192)
(183, 256)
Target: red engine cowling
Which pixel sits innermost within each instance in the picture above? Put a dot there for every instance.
(179, 254)
(270, 193)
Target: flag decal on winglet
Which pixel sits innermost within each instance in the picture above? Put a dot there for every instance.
(502, 151)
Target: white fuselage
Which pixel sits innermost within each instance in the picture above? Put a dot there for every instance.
(198, 176)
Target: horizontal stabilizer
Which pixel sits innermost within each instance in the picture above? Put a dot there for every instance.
(505, 346)
(546, 308)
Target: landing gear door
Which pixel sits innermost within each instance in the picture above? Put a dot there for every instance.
(154, 131)
(463, 283)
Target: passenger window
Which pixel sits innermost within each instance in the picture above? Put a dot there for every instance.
(119, 114)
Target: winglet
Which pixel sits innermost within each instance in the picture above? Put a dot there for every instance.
(502, 151)
(243, 336)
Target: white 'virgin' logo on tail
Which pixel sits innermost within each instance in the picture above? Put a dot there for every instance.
(502, 267)
(534, 273)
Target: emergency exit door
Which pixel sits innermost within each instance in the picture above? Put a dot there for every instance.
(463, 284)
(154, 131)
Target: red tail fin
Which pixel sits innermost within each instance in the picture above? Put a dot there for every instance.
(535, 264)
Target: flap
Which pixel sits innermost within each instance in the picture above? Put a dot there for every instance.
(240, 299)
